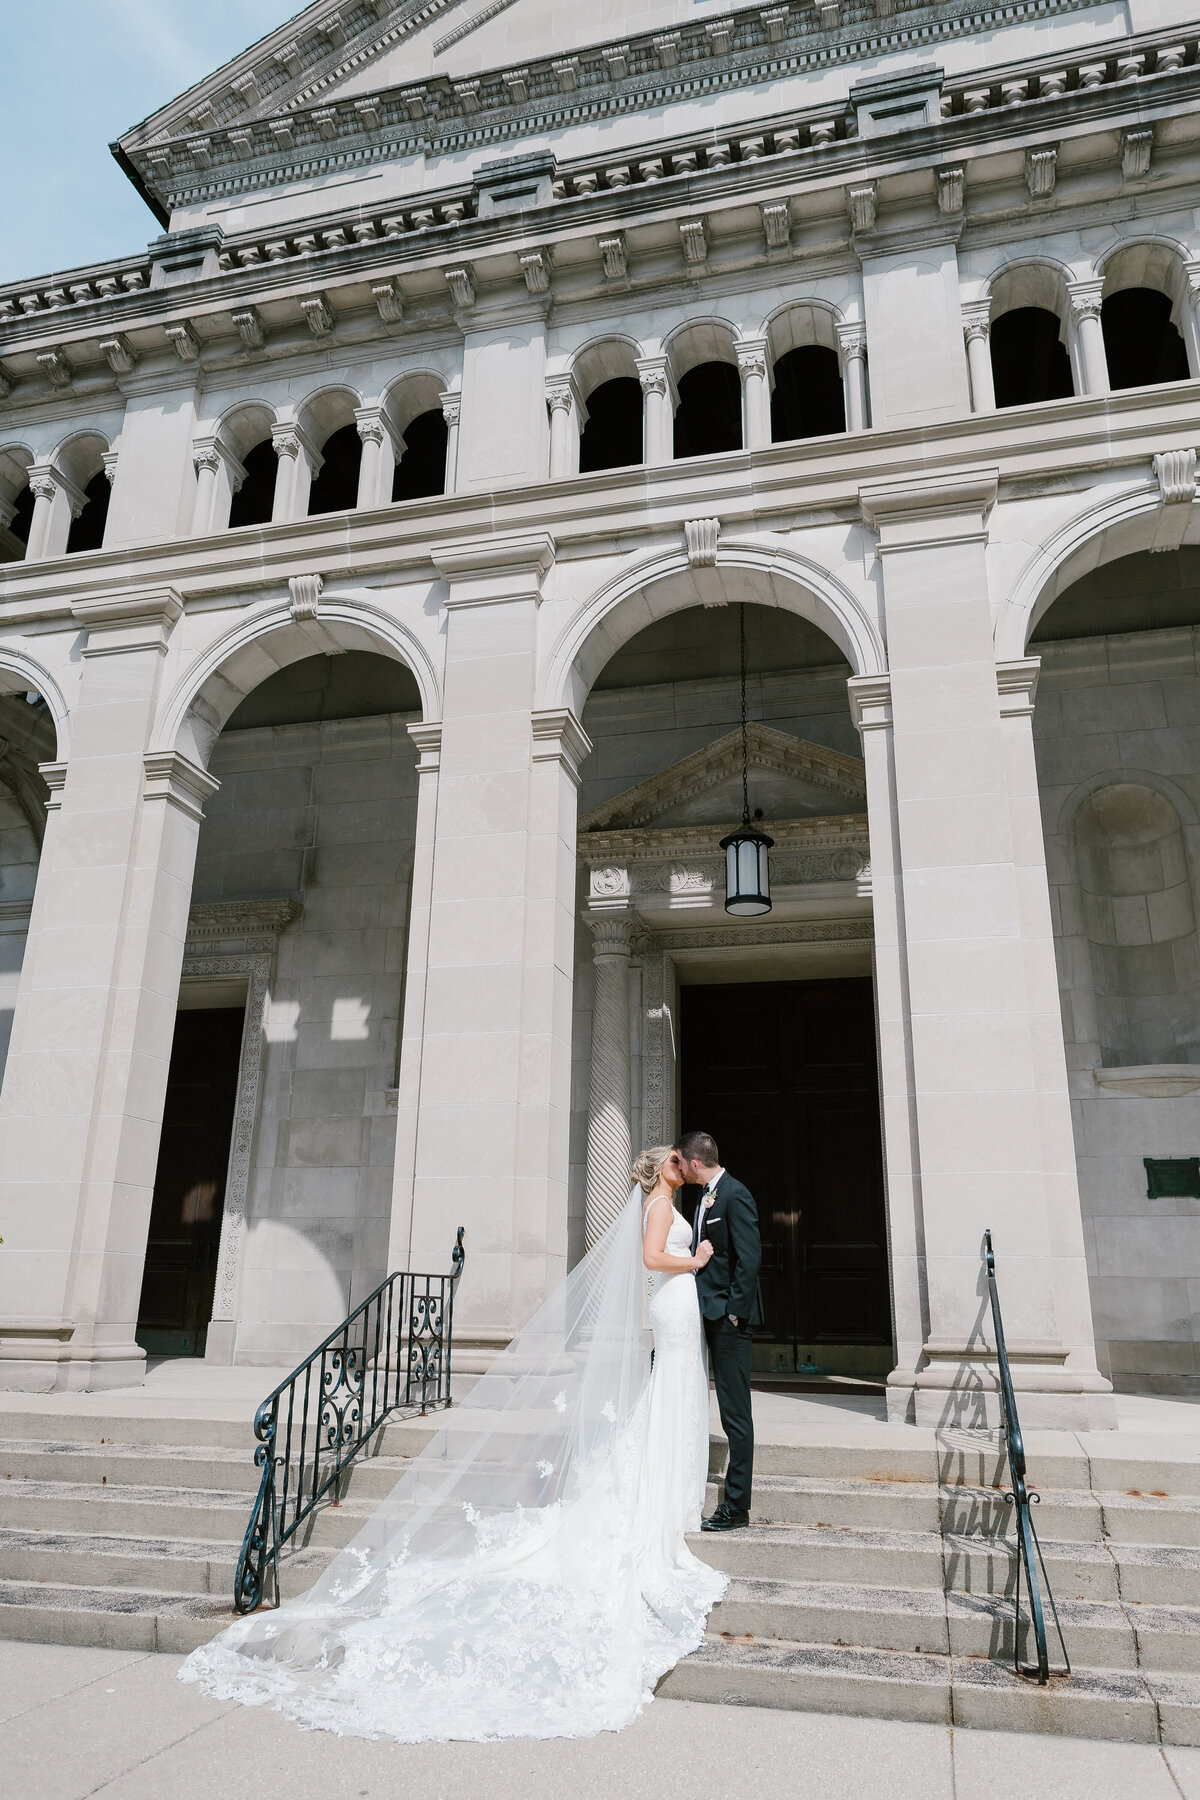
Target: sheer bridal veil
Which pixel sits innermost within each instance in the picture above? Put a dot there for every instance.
(494, 1592)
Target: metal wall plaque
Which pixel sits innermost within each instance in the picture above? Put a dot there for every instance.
(1172, 1177)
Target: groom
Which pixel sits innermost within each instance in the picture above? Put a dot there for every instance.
(728, 1289)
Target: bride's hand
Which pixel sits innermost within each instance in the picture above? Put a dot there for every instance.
(704, 1250)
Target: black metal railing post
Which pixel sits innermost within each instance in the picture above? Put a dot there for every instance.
(1022, 1497)
(326, 1424)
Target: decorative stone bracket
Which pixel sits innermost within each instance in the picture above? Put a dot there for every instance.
(1175, 472)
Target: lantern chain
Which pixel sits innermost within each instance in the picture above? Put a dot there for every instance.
(745, 729)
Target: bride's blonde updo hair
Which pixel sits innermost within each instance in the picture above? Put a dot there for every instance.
(645, 1169)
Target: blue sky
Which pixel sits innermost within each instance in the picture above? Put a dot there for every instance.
(77, 74)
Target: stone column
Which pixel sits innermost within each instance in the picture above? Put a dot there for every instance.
(450, 412)
(207, 464)
(492, 1127)
(976, 328)
(756, 394)
(972, 1098)
(609, 1142)
(428, 740)
(56, 501)
(81, 1106)
(219, 476)
(1091, 361)
(380, 454)
(299, 462)
(564, 427)
(852, 351)
(658, 412)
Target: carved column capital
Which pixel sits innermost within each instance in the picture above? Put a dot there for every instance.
(977, 319)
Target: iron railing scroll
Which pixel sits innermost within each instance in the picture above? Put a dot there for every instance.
(390, 1355)
(1022, 1498)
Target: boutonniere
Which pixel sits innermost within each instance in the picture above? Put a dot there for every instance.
(710, 1200)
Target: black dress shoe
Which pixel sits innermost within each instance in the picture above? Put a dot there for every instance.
(725, 1519)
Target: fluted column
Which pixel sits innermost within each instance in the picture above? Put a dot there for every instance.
(610, 1148)
(658, 416)
(852, 350)
(450, 412)
(756, 395)
(1091, 361)
(977, 323)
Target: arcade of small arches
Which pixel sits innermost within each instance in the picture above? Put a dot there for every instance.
(1034, 332)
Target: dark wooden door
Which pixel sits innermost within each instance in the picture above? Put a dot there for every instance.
(783, 1074)
(189, 1184)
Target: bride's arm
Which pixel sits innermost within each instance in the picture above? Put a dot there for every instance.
(654, 1242)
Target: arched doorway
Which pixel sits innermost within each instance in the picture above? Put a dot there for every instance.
(762, 1032)
(272, 1189)
(1119, 775)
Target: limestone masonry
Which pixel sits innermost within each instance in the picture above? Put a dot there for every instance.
(375, 547)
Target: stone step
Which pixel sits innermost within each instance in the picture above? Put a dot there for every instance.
(371, 1476)
(160, 1512)
(868, 1558)
(815, 1500)
(959, 1690)
(400, 1436)
(158, 1564)
(109, 1618)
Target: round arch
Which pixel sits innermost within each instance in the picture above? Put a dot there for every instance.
(214, 684)
(700, 340)
(668, 583)
(21, 674)
(1144, 261)
(412, 393)
(1148, 778)
(1118, 524)
(798, 323)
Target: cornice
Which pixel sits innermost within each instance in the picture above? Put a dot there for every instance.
(439, 114)
(81, 317)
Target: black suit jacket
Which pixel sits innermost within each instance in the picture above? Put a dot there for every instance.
(728, 1282)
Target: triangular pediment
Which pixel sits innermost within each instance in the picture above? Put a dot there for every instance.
(378, 81)
(790, 778)
(334, 51)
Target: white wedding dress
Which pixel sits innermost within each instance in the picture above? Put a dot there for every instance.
(528, 1576)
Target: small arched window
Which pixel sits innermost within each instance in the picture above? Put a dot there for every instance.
(335, 489)
(1029, 359)
(708, 419)
(87, 530)
(1140, 341)
(612, 436)
(421, 471)
(254, 501)
(808, 399)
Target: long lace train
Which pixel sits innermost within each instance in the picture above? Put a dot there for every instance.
(528, 1576)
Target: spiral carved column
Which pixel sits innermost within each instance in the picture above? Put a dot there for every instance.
(610, 1151)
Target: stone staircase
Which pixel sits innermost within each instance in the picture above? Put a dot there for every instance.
(875, 1578)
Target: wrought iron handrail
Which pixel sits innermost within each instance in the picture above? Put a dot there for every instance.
(391, 1352)
(1022, 1497)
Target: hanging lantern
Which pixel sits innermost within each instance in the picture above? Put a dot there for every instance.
(747, 872)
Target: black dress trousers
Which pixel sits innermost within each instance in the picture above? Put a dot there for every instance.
(729, 1351)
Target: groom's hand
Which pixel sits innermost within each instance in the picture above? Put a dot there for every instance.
(732, 1320)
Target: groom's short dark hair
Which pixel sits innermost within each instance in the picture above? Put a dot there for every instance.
(698, 1146)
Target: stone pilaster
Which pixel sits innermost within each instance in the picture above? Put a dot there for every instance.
(982, 1135)
(81, 1107)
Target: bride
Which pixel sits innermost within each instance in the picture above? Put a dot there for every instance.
(528, 1575)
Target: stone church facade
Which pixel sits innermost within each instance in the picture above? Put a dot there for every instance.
(378, 547)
